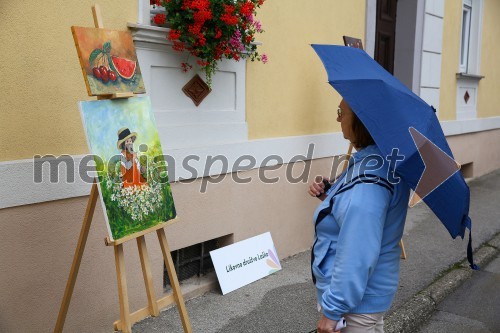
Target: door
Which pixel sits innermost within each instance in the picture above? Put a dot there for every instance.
(385, 33)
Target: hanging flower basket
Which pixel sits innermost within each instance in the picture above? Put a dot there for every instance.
(212, 30)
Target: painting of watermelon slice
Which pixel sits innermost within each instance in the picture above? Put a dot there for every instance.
(124, 67)
(108, 61)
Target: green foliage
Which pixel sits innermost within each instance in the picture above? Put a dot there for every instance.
(212, 30)
(94, 55)
(106, 47)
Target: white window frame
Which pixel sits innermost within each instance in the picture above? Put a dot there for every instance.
(148, 12)
(144, 12)
(470, 37)
(465, 35)
(468, 75)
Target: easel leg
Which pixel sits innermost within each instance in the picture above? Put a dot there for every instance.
(122, 290)
(77, 259)
(148, 278)
(172, 275)
(403, 252)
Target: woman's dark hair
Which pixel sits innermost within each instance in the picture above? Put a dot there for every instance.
(361, 134)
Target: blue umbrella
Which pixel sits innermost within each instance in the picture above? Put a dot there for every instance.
(398, 119)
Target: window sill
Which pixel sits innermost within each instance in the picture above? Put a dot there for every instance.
(469, 76)
(149, 33)
(154, 34)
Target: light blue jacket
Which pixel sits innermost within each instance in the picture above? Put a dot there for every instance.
(355, 256)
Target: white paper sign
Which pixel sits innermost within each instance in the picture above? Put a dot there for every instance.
(244, 262)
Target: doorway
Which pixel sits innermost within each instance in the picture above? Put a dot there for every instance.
(385, 33)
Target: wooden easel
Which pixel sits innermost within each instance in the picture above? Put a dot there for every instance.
(357, 43)
(127, 319)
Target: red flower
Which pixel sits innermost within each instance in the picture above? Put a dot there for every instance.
(159, 19)
(219, 50)
(248, 39)
(202, 40)
(174, 34)
(229, 19)
(205, 29)
(229, 9)
(218, 33)
(185, 66)
(195, 29)
(247, 8)
(200, 4)
(178, 46)
(202, 63)
(202, 16)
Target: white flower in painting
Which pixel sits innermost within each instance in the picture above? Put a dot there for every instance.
(138, 202)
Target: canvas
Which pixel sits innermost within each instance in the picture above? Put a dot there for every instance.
(108, 60)
(132, 173)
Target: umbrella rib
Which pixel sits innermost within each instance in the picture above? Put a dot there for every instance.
(404, 90)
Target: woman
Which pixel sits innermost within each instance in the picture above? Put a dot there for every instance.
(355, 256)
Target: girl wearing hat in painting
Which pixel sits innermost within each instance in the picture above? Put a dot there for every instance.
(130, 165)
(358, 225)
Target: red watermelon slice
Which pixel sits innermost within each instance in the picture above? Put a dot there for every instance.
(124, 67)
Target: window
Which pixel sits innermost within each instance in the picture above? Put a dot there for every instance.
(468, 75)
(191, 261)
(155, 9)
(464, 41)
(470, 36)
(147, 11)
(195, 259)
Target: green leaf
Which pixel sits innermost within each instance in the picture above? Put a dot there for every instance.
(94, 55)
(111, 64)
(106, 47)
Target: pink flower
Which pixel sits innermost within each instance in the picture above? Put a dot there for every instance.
(258, 26)
(235, 41)
(263, 58)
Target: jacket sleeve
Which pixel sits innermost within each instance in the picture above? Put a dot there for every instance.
(358, 247)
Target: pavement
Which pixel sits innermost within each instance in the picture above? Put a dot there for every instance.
(473, 307)
(436, 286)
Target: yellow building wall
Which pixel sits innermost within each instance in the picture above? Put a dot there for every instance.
(489, 87)
(290, 94)
(488, 99)
(450, 60)
(41, 76)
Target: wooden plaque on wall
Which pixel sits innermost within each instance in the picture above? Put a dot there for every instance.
(353, 42)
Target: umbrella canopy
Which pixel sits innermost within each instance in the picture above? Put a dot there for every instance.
(398, 119)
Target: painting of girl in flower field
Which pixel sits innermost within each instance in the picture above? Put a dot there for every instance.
(133, 177)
